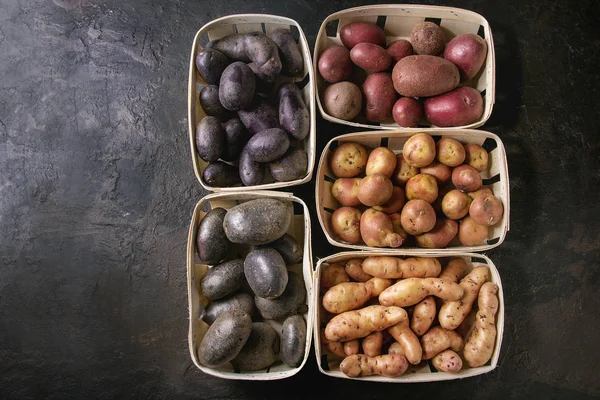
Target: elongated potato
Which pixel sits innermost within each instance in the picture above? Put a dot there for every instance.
(447, 361)
(372, 343)
(453, 313)
(389, 365)
(351, 347)
(335, 348)
(332, 275)
(346, 296)
(408, 292)
(438, 339)
(408, 340)
(423, 316)
(480, 345)
(354, 269)
(455, 270)
(396, 348)
(396, 268)
(424, 76)
(359, 323)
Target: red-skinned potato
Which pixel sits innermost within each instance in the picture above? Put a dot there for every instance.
(483, 191)
(374, 190)
(370, 57)
(419, 150)
(422, 186)
(470, 233)
(345, 191)
(424, 76)
(396, 219)
(440, 236)
(335, 64)
(404, 171)
(467, 52)
(399, 49)
(376, 230)
(486, 210)
(345, 222)
(441, 172)
(476, 156)
(348, 160)
(466, 178)
(461, 106)
(450, 152)
(395, 203)
(417, 217)
(361, 32)
(407, 112)
(455, 204)
(379, 96)
(381, 161)
(342, 100)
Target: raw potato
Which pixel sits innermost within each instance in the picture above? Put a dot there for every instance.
(294, 116)
(479, 192)
(346, 296)
(395, 348)
(461, 106)
(258, 221)
(293, 340)
(348, 160)
(379, 96)
(342, 100)
(466, 178)
(381, 161)
(424, 76)
(453, 313)
(335, 64)
(422, 186)
(232, 46)
(346, 223)
(261, 349)
(212, 244)
(377, 285)
(293, 165)
(440, 236)
(389, 267)
(351, 347)
(455, 204)
(417, 217)
(223, 279)
(290, 301)
(423, 316)
(470, 233)
(345, 191)
(268, 145)
(447, 361)
(219, 174)
(332, 275)
(455, 270)
(260, 115)
(394, 204)
(419, 150)
(410, 291)
(237, 301)
(335, 348)
(210, 64)
(359, 323)
(250, 172)
(376, 230)
(399, 49)
(441, 172)
(209, 101)
(476, 156)
(439, 339)
(291, 58)
(355, 271)
(237, 86)
(480, 345)
(210, 139)
(390, 365)
(266, 272)
(361, 32)
(370, 57)
(427, 38)
(289, 248)
(236, 137)
(408, 340)
(374, 190)
(225, 338)
(467, 52)
(371, 344)
(450, 152)
(404, 171)
(263, 53)
(486, 210)
(407, 112)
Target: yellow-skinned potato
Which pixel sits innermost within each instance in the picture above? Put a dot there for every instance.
(348, 160)
(346, 296)
(381, 161)
(377, 285)
(394, 204)
(447, 361)
(483, 190)
(332, 275)
(354, 269)
(422, 186)
(455, 270)
(351, 347)
(395, 268)
(390, 365)
(374, 190)
(408, 292)
(404, 171)
(480, 345)
(476, 156)
(396, 348)
(359, 323)
(450, 152)
(438, 339)
(408, 340)
(335, 348)
(419, 150)
(453, 313)
(423, 316)
(372, 343)
(345, 191)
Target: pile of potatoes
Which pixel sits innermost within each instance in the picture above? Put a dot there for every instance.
(430, 193)
(255, 122)
(248, 287)
(404, 80)
(382, 313)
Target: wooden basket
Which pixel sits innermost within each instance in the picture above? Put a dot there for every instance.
(299, 229)
(422, 372)
(244, 23)
(496, 176)
(397, 20)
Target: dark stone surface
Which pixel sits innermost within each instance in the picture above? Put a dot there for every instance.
(97, 190)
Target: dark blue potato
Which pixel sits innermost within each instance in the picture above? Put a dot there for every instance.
(212, 244)
(261, 348)
(289, 52)
(237, 301)
(219, 174)
(293, 165)
(291, 300)
(293, 340)
(266, 272)
(237, 86)
(258, 221)
(225, 338)
(268, 145)
(210, 139)
(289, 249)
(264, 83)
(223, 279)
(210, 103)
(210, 64)
(293, 113)
(261, 115)
(236, 137)
(232, 46)
(251, 172)
(263, 52)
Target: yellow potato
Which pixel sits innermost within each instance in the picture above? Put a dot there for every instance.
(332, 275)
(396, 348)
(396, 268)
(354, 269)
(447, 361)
(378, 285)
(346, 296)
(480, 344)
(408, 340)
(351, 347)
(455, 270)
(335, 348)
(438, 339)
(423, 316)
(408, 292)
(359, 323)
(389, 365)
(453, 313)
(372, 343)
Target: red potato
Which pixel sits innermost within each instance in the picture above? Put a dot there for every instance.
(470, 233)
(335, 64)
(476, 156)
(396, 219)
(399, 49)
(379, 96)
(395, 203)
(466, 178)
(348, 160)
(361, 32)
(370, 57)
(374, 190)
(455, 204)
(422, 186)
(467, 52)
(381, 161)
(345, 191)
(376, 230)
(461, 106)
(440, 236)
(342, 100)
(450, 152)
(427, 38)
(486, 210)
(441, 172)
(407, 112)
(404, 171)
(417, 217)
(424, 76)
(345, 222)
(419, 150)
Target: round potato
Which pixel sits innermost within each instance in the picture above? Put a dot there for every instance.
(348, 160)
(461, 106)
(417, 217)
(345, 191)
(450, 152)
(424, 76)
(399, 49)
(467, 52)
(374, 190)
(370, 57)
(441, 172)
(361, 32)
(447, 361)
(407, 112)
(395, 203)
(404, 171)
(342, 100)
(486, 210)
(422, 186)
(466, 178)
(376, 230)
(476, 156)
(455, 204)
(335, 64)
(381, 161)
(427, 38)
(484, 190)
(470, 233)
(379, 94)
(345, 222)
(419, 150)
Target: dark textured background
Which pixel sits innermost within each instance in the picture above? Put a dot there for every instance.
(97, 191)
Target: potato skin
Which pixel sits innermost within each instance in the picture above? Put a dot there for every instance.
(251, 173)
(461, 106)
(236, 137)
(389, 365)
(361, 32)
(232, 46)
(292, 165)
(455, 204)
(289, 248)
(423, 316)
(409, 342)
(268, 145)
(379, 94)
(293, 340)
(223, 279)
(466, 178)
(470, 233)
(404, 171)
(410, 291)
(342, 100)
(396, 268)
(210, 64)
(260, 350)
(399, 49)
(440, 236)
(372, 343)
(348, 160)
(351, 347)
(240, 301)
(370, 57)
(293, 113)
(453, 313)
(225, 338)
(335, 64)
(374, 190)
(394, 204)
(332, 275)
(291, 59)
(438, 339)
(450, 152)
(266, 272)
(419, 150)
(210, 103)
(219, 174)
(345, 222)
(354, 270)
(441, 172)
(376, 230)
(258, 221)
(467, 52)
(422, 186)
(260, 115)
(424, 76)
(486, 210)
(480, 345)
(212, 244)
(407, 112)
(381, 161)
(210, 139)
(263, 52)
(417, 217)
(237, 86)
(345, 297)
(427, 38)
(287, 303)
(455, 270)
(345, 191)
(447, 361)
(359, 323)
(476, 156)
